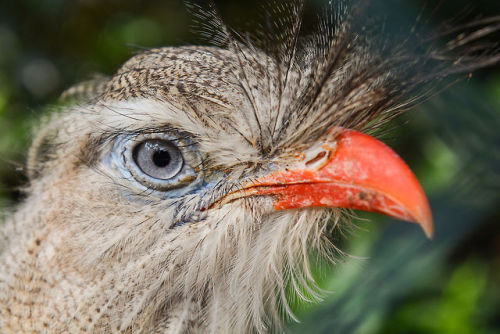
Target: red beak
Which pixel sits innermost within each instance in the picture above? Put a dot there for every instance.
(354, 171)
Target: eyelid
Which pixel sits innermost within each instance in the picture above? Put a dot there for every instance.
(173, 134)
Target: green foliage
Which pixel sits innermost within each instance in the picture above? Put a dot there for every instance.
(456, 310)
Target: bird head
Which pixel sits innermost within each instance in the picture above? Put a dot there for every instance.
(188, 191)
(185, 186)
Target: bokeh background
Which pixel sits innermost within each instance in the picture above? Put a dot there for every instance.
(393, 280)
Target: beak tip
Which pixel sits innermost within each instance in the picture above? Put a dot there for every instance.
(429, 232)
(427, 225)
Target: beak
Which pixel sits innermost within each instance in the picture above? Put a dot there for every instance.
(351, 170)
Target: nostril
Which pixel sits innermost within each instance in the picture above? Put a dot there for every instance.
(318, 157)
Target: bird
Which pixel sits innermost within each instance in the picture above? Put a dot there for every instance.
(185, 192)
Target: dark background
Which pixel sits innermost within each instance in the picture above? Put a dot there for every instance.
(394, 280)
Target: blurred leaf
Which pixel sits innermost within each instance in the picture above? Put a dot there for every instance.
(445, 164)
(124, 33)
(455, 311)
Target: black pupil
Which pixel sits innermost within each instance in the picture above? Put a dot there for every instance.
(161, 158)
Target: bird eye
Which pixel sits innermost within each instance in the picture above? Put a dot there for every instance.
(159, 159)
